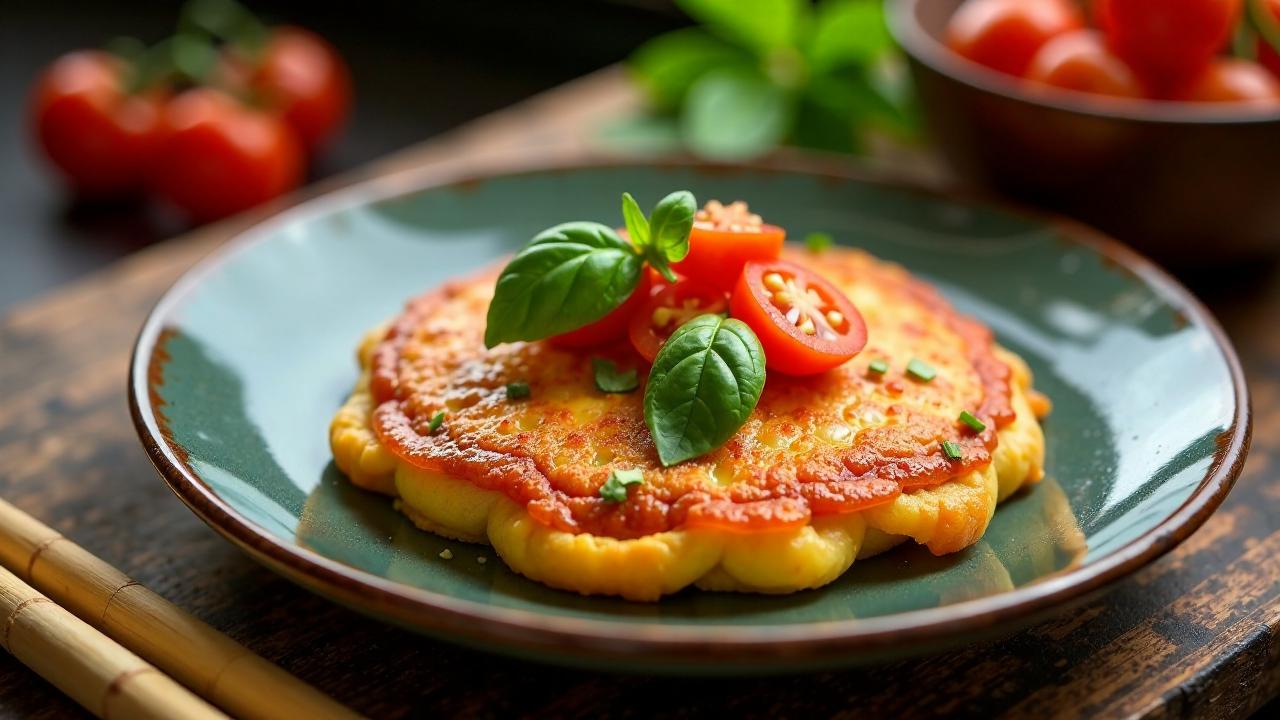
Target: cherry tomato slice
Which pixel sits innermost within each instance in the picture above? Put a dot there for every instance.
(716, 256)
(805, 324)
(610, 327)
(668, 310)
(1005, 34)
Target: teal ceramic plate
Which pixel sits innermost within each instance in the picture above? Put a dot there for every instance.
(240, 366)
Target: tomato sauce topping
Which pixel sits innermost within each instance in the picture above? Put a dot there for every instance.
(833, 443)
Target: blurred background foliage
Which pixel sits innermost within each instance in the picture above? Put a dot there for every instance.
(756, 74)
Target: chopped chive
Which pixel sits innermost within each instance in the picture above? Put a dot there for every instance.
(816, 242)
(921, 370)
(611, 379)
(972, 421)
(878, 367)
(517, 391)
(436, 421)
(614, 490)
(952, 450)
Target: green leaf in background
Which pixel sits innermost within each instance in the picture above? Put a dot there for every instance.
(667, 66)
(760, 25)
(636, 223)
(704, 384)
(732, 115)
(847, 32)
(568, 276)
(640, 134)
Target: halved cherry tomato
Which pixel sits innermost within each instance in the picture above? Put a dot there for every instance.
(805, 324)
(1166, 41)
(610, 327)
(1080, 61)
(668, 310)
(100, 136)
(1005, 34)
(1232, 80)
(724, 238)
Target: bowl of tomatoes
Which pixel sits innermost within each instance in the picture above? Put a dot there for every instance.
(1155, 120)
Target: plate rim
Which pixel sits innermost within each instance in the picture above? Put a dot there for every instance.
(488, 625)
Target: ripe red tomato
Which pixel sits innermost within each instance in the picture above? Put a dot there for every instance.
(805, 324)
(1080, 61)
(1167, 41)
(1005, 34)
(97, 134)
(306, 80)
(670, 308)
(716, 256)
(1232, 80)
(220, 157)
(1267, 55)
(610, 327)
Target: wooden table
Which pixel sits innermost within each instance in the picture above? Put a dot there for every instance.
(1193, 634)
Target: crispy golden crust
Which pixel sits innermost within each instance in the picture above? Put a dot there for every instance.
(579, 434)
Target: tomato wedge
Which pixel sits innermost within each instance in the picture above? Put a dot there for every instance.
(724, 238)
(608, 328)
(668, 310)
(805, 324)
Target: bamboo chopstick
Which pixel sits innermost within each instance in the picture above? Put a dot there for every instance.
(210, 663)
(106, 679)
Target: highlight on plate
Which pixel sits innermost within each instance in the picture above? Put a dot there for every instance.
(690, 401)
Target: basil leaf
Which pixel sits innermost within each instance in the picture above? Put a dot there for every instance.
(847, 32)
(637, 225)
(568, 276)
(761, 25)
(668, 65)
(670, 224)
(704, 384)
(734, 115)
(614, 489)
(610, 379)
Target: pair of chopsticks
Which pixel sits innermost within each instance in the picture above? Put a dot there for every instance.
(78, 622)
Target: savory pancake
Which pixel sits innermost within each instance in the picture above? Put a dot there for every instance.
(826, 469)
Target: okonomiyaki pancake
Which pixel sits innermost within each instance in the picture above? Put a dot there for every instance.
(826, 469)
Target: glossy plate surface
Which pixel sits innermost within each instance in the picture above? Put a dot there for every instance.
(241, 365)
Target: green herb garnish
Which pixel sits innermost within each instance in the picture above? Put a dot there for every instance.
(574, 274)
(972, 421)
(818, 241)
(704, 384)
(517, 391)
(952, 450)
(436, 421)
(614, 489)
(921, 370)
(878, 367)
(663, 237)
(568, 276)
(610, 379)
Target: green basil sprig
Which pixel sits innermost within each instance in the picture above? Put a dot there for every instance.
(568, 276)
(704, 384)
(663, 237)
(573, 274)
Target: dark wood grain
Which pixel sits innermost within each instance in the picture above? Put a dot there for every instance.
(1194, 634)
